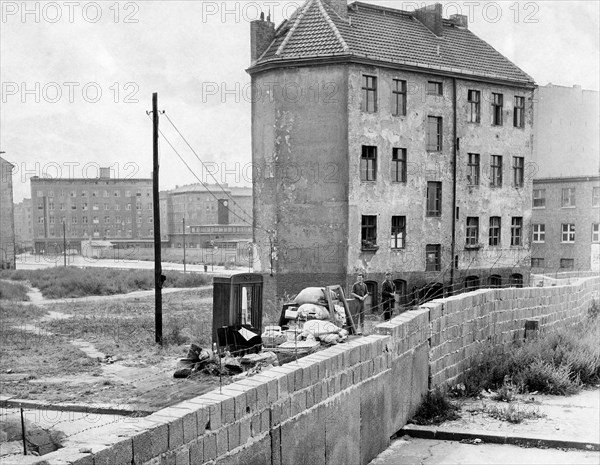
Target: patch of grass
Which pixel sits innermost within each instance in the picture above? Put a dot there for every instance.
(435, 409)
(14, 313)
(64, 282)
(13, 291)
(513, 412)
(555, 362)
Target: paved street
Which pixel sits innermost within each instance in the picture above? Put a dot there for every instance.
(436, 452)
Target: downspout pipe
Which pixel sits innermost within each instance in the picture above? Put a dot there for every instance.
(454, 171)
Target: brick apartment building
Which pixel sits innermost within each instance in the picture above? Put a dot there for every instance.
(214, 215)
(566, 188)
(387, 140)
(118, 210)
(7, 224)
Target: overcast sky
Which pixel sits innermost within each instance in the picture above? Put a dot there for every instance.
(77, 77)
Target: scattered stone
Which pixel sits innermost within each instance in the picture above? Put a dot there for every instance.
(232, 364)
(182, 373)
(85, 450)
(262, 358)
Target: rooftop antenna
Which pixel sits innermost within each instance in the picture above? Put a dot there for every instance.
(269, 15)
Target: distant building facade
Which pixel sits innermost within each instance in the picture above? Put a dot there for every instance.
(118, 210)
(214, 215)
(406, 152)
(565, 233)
(7, 223)
(23, 226)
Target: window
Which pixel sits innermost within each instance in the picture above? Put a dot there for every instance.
(595, 196)
(434, 198)
(516, 231)
(495, 280)
(95, 206)
(568, 232)
(139, 220)
(73, 206)
(432, 257)
(434, 133)
(539, 198)
(497, 103)
(496, 170)
(568, 197)
(50, 205)
(398, 165)
(474, 99)
(537, 262)
(73, 194)
(398, 97)
(95, 220)
(51, 220)
(117, 207)
(368, 163)
(473, 169)
(107, 219)
(40, 220)
(539, 233)
(138, 206)
(398, 232)
(472, 230)
(61, 207)
(105, 194)
(516, 280)
(568, 263)
(369, 94)
(95, 194)
(494, 231)
(138, 193)
(83, 193)
(84, 220)
(74, 220)
(84, 206)
(519, 113)
(471, 283)
(434, 88)
(117, 194)
(128, 206)
(518, 171)
(127, 193)
(150, 220)
(595, 232)
(369, 232)
(106, 206)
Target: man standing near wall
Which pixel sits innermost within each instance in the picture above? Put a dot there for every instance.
(387, 296)
(360, 292)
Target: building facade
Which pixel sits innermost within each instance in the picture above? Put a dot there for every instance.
(73, 210)
(7, 223)
(214, 215)
(387, 140)
(23, 226)
(566, 185)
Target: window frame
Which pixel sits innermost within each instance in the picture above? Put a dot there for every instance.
(472, 231)
(399, 229)
(518, 171)
(595, 196)
(368, 163)
(438, 145)
(433, 206)
(538, 262)
(497, 108)
(495, 231)
(473, 169)
(567, 263)
(496, 174)
(369, 93)
(474, 106)
(435, 87)
(538, 233)
(399, 165)
(519, 112)
(399, 97)
(595, 233)
(368, 232)
(568, 201)
(436, 251)
(567, 233)
(516, 231)
(541, 198)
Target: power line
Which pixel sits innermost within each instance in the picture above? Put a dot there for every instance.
(215, 179)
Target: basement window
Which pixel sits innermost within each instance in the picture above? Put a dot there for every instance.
(567, 263)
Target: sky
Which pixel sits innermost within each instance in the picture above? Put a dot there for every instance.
(77, 78)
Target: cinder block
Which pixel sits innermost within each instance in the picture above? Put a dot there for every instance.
(222, 441)
(374, 417)
(303, 440)
(120, 453)
(342, 427)
(245, 430)
(298, 402)
(197, 451)
(233, 435)
(182, 456)
(210, 446)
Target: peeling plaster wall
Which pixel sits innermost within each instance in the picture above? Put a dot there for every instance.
(385, 199)
(299, 146)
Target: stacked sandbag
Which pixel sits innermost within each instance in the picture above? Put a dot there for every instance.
(311, 295)
(312, 312)
(324, 331)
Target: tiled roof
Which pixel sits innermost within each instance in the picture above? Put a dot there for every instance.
(384, 34)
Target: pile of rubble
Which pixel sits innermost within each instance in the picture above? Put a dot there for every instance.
(203, 361)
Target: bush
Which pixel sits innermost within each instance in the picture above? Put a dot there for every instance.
(13, 291)
(513, 412)
(435, 408)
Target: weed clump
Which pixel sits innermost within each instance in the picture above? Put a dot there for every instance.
(436, 408)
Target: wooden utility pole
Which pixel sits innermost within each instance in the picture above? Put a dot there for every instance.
(158, 280)
(184, 270)
(65, 243)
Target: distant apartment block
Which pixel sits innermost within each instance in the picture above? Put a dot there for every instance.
(117, 210)
(565, 234)
(23, 226)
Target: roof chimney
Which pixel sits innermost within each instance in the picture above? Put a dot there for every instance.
(262, 34)
(460, 20)
(431, 17)
(340, 7)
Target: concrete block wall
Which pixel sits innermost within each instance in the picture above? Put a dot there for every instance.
(340, 405)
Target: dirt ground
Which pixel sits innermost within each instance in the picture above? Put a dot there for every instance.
(102, 351)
